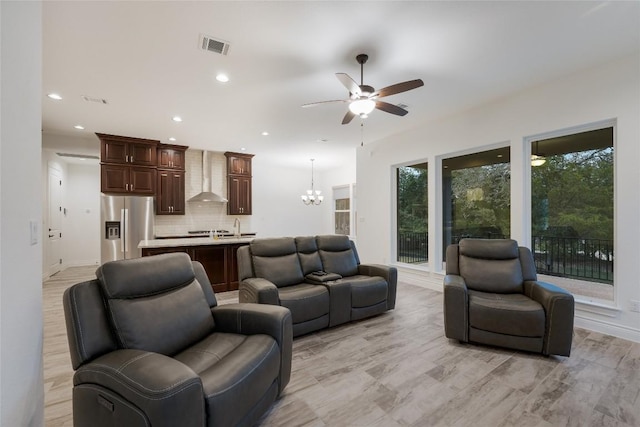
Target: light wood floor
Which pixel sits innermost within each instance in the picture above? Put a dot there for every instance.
(398, 369)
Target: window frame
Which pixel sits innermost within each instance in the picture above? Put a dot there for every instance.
(527, 178)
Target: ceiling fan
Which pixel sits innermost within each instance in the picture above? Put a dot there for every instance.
(364, 98)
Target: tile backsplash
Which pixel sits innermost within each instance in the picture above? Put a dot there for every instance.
(205, 215)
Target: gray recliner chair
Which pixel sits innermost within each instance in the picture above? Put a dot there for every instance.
(150, 346)
(492, 296)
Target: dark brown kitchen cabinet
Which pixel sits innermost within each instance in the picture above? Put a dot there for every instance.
(171, 156)
(238, 164)
(239, 183)
(127, 165)
(219, 262)
(127, 150)
(170, 192)
(239, 195)
(128, 179)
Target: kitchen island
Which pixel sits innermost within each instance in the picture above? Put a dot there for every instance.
(218, 256)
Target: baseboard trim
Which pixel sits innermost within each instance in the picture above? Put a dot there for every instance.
(608, 328)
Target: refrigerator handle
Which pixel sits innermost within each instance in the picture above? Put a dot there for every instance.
(123, 233)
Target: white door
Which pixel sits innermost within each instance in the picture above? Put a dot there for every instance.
(54, 257)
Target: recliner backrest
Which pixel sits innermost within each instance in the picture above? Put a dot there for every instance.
(338, 255)
(276, 259)
(308, 254)
(491, 265)
(155, 303)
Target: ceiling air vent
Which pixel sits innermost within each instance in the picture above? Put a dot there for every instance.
(214, 45)
(96, 100)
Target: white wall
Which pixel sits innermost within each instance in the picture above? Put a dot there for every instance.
(611, 91)
(21, 384)
(82, 222)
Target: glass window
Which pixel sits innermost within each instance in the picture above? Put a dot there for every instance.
(476, 196)
(412, 213)
(572, 211)
(342, 209)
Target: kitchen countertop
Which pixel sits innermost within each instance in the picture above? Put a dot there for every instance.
(192, 241)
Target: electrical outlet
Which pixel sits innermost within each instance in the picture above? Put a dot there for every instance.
(634, 306)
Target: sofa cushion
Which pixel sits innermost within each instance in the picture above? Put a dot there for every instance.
(277, 261)
(305, 301)
(236, 372)
(308, 254)
(155, 309)
(337, 255)
(367, 290)
(509, 314)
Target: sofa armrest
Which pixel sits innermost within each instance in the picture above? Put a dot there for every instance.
(163, 388)
(259, 291)
(456, 310)
(251, 319)
(390, 274)
(558, 306)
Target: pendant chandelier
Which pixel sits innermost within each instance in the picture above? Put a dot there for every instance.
(312, 197)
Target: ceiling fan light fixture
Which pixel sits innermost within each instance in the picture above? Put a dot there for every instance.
(362, 107)
(537, 160)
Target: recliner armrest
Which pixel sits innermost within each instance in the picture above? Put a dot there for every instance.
(163, 388)
(558, 306)
(390, 274)
(251, 319)
(456, 308)
(258, 290)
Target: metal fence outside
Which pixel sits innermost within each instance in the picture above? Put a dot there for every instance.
(412, 247)
(575, 258)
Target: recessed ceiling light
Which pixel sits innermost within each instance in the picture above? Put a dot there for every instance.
(243, 149)
(499, 156)
(54, 96)
(265, 133)
(172, 139)
(79, 127)
(177, 119)
(222, 78)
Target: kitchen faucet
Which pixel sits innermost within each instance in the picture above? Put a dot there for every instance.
(236, 227)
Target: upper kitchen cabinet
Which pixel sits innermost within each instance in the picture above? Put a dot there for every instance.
(238, 164)
(171, 156)
(170, 186)
(239, 183)
(126, 150)
(128, 165)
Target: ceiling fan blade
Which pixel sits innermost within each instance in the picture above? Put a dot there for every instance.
(398, 88)
(313, 104)
(348, 117)
(349, 83)
(390, 108)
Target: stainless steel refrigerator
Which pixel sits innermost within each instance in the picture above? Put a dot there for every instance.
(125, 221)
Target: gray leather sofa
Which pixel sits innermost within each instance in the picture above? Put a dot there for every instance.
(492, 296)
(279, 271)
(151, 347)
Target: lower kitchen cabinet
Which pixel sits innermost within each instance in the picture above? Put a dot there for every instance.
(219, 261)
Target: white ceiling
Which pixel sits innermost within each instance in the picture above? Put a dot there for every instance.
(144, 59)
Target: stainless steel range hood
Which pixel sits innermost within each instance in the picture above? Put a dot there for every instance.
(207, 195)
